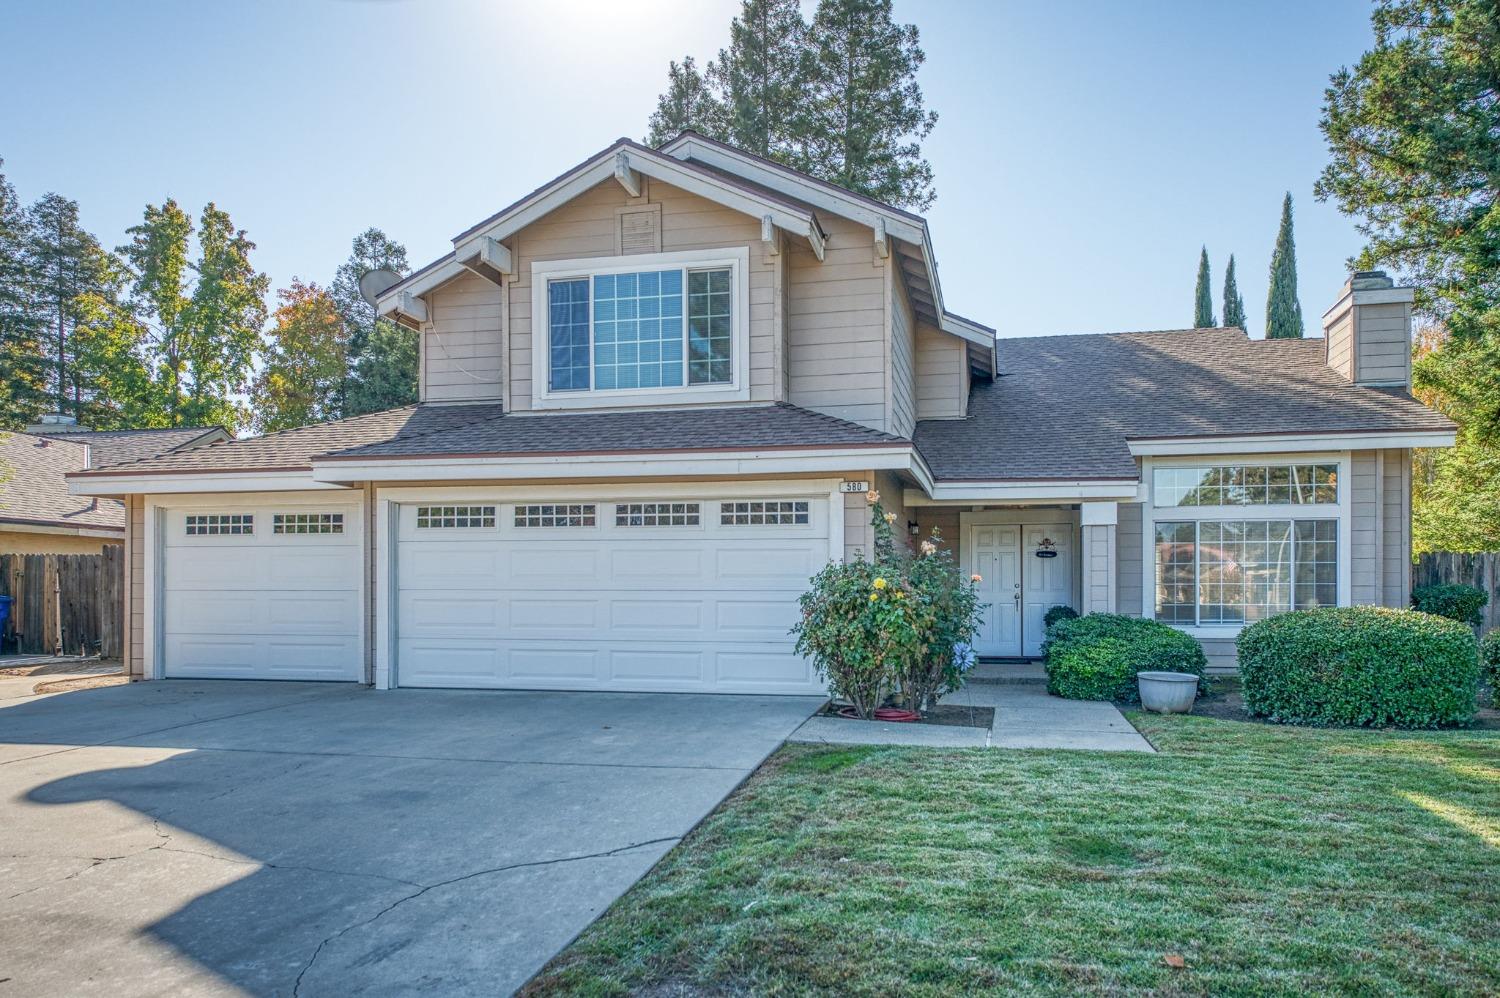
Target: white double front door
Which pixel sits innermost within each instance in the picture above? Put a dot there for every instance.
(1024, 570)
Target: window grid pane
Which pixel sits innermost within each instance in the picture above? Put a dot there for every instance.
(556, 515)
(1247, 485)
(206, 524)
(1240, 571)
(455, 516)
(757, 513)
(307, 523)
(710, 334)
(657, 514)
(638, 330)
(568, 335)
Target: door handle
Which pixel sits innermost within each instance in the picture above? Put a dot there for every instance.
(1018, 601)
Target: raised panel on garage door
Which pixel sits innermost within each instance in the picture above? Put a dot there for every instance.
(701, 605)
(264, 592)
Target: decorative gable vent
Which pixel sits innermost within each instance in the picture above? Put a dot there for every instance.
(639, 229)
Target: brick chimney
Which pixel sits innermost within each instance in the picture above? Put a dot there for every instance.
(1367, 333)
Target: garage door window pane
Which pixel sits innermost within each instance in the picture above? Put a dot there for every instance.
(455, 516)
(307, 523)
(767, 512)
(220, 523)
(657, 514)
(556, 515)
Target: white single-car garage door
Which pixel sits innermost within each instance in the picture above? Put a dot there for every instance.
(262, 592)
(678, 595)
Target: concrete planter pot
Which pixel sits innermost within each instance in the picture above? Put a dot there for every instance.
(1167, 692)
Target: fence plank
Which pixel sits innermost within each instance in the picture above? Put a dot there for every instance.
(1479, 569)
(71, 604)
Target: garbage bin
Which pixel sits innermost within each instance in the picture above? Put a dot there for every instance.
(5, 602)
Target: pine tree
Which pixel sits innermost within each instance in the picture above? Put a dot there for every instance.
(761, 80)
(228, 310)
(67, 263)
(1234, 304)
(1203, 298)
(1283, 311)
(303, 366)
(687, 103)
(382, 356)
(865, 117)
(23, 367)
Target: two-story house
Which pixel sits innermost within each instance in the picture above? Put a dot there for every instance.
(655, 395)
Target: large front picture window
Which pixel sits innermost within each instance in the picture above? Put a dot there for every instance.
(664, 328)
(1239, 571)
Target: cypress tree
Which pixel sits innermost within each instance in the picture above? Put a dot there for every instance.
(1203, 305)
(1234, 305)
(1283, 311)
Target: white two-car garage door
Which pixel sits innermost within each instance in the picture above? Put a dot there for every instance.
(681, 595)
(262, 592)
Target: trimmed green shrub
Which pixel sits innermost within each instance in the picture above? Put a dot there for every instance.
(1060, 612)
(1489, 664)
(1456, 602)
(1096, 657)
(1359, 666)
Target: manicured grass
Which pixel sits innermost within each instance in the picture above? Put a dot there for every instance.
(1272, 860)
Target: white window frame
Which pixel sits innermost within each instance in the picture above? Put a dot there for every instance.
(736, 259)
(1342, 511)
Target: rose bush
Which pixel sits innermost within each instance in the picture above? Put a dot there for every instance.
(898, 625)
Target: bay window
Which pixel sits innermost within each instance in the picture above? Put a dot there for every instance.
(1235, 543)
(671, 324)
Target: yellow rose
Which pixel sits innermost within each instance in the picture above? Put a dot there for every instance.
(880, 583)
(872, 498)
(890, 518)
(900, 594)
(873, 597)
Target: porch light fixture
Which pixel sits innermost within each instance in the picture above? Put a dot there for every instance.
(913, 528)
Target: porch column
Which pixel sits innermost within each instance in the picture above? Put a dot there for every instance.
(1098, 521)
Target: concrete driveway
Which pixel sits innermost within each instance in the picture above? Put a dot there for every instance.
(292, 838)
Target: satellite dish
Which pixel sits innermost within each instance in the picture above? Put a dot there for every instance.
(374, 283)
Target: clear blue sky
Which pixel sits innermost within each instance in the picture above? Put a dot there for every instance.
(1085, 149)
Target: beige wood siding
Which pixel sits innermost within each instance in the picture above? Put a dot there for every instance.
(1221, 653)
(1338, 344)
(1365, 534)
(942, 374)
(1098, 561)
(28, 542)
(461, 342)
(588, 226)
(859, 539)
(1396, 528)
(1383, 344)
(943, 519)
(1129, 598)
(836, 326)
(135, 585)
(893, 500)
(903, 405)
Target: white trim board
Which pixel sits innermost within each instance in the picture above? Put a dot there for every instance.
(197, 481)
(1288, 443)
(969, 493)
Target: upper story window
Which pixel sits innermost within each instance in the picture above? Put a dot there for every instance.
(659, 328)
(1247, 485)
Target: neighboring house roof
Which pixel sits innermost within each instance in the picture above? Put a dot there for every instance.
(1066, 407)
(293, 450)
(778, 426)
(108, 447)
(35, 493)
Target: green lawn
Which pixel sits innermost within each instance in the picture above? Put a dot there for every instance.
(1272, 860)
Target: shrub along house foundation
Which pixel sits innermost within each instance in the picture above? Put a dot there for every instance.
(655, 393)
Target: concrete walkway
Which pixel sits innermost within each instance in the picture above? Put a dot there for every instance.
(1025, 718)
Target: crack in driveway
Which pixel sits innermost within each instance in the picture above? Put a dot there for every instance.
(297, 985)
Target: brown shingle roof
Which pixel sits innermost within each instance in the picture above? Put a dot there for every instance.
(778, 426)
(293, 450)
(35, 492)
(108, 447)
(1064, 407)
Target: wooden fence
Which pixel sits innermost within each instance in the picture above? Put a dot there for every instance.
(69, 604)
(1481, 570)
